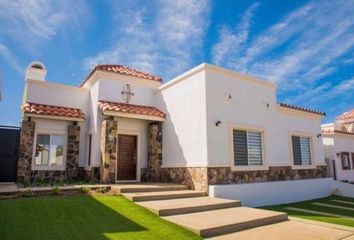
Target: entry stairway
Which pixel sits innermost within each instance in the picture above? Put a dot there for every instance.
(220, 218)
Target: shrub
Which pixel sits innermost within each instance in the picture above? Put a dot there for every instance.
(28, 193)
(56, 190)
(102, 189)
(84, 189)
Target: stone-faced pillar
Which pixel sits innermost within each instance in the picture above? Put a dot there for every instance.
(154, 152)
(73, 152)
(109, 146)
(25, 151)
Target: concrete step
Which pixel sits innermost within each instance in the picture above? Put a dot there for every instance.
(188, 205)
(147, 187)
(163, 195)
(291, 230)
(224, 221)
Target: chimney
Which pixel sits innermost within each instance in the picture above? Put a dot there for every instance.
(36, 71)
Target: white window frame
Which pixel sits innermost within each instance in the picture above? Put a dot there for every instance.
(42, 167)
(247, 128)
(312, 150)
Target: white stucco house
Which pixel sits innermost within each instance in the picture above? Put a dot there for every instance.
(338, 141)
(208, 126)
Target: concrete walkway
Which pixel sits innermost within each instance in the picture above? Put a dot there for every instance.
(332, 206)
(221, 219)
(342, 201)
(289, 230)
(8, 188)
(320, 213)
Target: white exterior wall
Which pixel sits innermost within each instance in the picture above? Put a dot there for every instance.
(110, 90)
(247, 110)
(56, 94)
(184, 129)
(274, 193)
(343, 143)
(94, 120)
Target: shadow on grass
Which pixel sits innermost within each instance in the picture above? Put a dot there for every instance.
(66, 217)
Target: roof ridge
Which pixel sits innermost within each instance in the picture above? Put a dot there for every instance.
(346, 115)
(124, 70)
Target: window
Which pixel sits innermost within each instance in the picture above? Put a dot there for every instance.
(247, 148)
(49, 150)
(301, 150)
(345, 160)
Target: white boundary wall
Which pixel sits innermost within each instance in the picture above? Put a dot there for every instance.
(274, 193)
(343, 189)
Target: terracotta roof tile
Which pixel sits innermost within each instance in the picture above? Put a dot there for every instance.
(302, 109)
(43, 109)
(130, 108)
(336, 131)
(121, 69)
(346, 115)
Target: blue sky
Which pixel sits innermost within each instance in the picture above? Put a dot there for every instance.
(306, 47)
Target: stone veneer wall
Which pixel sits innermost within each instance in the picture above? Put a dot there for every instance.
(109, 146)
(93, 174)
(24, 171)
(25, 151)
(224, 175)
(200, 177)
(194, 177)
(154, 152)
(73, 152)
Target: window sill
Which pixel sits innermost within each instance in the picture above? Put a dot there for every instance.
(249, 168)
(303, 167)
(47, 168)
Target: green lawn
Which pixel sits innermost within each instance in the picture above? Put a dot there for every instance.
(83, 217)
(309, 206)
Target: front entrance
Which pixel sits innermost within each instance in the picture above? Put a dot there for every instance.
(127, 157)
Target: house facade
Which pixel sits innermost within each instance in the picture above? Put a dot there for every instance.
(207, 126)
(338, 141)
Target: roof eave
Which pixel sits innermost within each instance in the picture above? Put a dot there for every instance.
(133, 115)
(54, 117)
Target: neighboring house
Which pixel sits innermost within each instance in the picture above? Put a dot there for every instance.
(207, 126)
(338, 141)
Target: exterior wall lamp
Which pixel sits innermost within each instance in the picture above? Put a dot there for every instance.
(217, 123)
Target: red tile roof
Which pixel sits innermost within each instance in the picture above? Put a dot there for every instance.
(43, 109)
(121, 69)
(346, 115)
(336, 131)
(130, 108)
(302, 109)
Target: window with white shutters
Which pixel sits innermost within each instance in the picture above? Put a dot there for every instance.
(247, 148)
(301, 150)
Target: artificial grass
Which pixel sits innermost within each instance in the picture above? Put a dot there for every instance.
(83, 217)
(308, 205)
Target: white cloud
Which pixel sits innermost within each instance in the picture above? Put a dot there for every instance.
(230, 41)
(301, 48)
(325, 92)
(162, 42)
(9, 57)
(29, 22)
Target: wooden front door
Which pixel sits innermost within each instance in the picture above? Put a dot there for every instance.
(127, 156)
